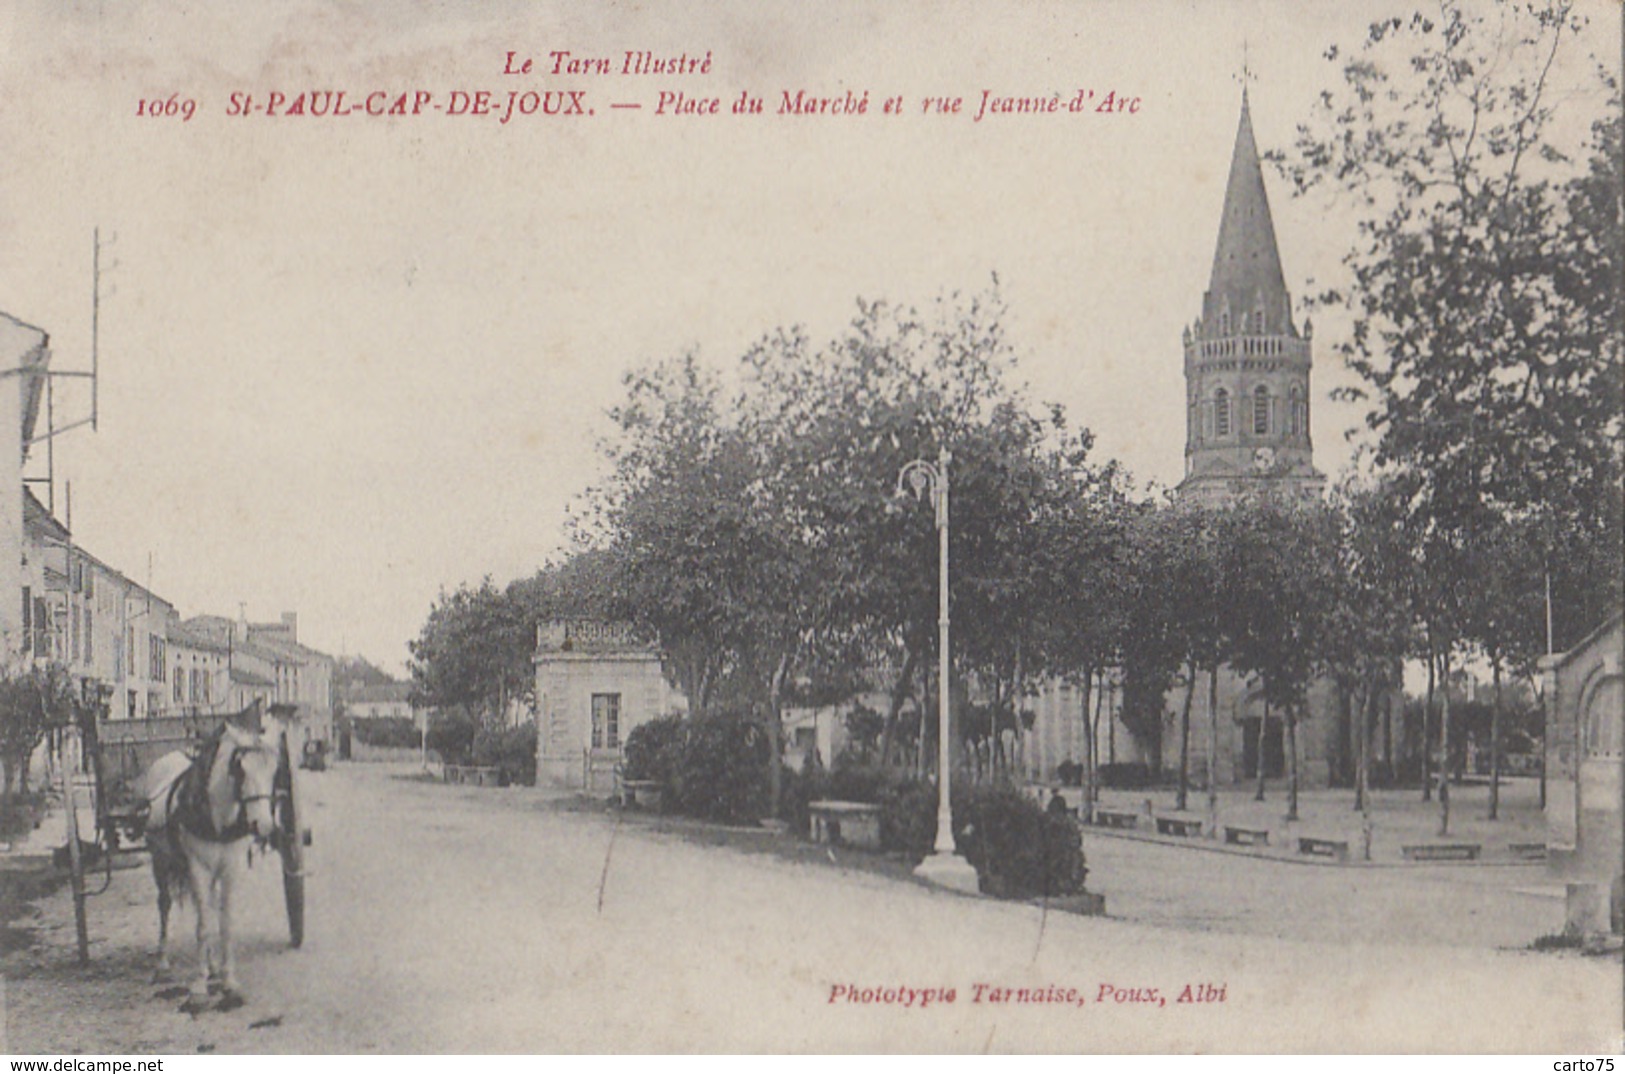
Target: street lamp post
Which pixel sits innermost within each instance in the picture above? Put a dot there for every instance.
(942, 866)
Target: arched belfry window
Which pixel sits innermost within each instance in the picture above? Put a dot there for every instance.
(1294, 415)
(1221, 413)
(1261, 411)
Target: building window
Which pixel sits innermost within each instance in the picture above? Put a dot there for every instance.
(1221, 413)
(606, 721)
(155, 658)
(179, 690)
(1261, 411)
(90, 649)
(28, 619)
(1298, 414)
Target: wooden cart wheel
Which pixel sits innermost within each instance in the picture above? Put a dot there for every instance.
(291, 844)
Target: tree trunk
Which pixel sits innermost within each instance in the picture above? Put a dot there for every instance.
(1367, 733)
(1263, 728)
(1386, 716)
(1362, 755)
(1427, 719)
(1111, 726)
(1495, 740)
(1292, 762)
(775, 736)
(1100, 704)
(1185, 740)
(1444, 747)
(1213, 751)
(899, 691)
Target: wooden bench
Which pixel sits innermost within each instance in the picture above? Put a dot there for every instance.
(1180, 826)
(1443, 852)
(1113, 818)
(1248, 837)
(1325, 848)
(1528, 851)
(852, 823)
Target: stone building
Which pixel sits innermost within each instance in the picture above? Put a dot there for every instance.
(1584, 698)
(595, 683)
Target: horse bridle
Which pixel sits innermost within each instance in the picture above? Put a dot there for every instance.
(235, 767)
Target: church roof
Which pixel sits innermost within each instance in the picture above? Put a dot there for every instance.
(1247, 273)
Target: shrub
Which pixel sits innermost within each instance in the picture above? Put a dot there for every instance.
(654, 751)
(451, 734)
(1018, 849)
(1070, 773)
(388, 731)
(722, 774)
(511, 750)
(796, 790)
(908, 817)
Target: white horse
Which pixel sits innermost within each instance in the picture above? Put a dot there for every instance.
(203, 817)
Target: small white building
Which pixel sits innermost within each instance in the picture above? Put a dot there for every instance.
(1584, 695)
(595, 683)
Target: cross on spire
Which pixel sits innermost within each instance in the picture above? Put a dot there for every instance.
(1246, 75)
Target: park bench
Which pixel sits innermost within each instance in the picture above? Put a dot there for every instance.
(479, 775)
(1443, 852)
(1528, 851)
(853, 823)
(642, 793)
(1114, 818)
(1249, 837)
(1326, 848)
(1180, 826)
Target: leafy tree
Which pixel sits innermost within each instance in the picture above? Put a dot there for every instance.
(33, 702)
(473, 651)
(1485, 305)
(1281, 578)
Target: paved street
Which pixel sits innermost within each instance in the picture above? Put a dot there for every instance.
(459, 919)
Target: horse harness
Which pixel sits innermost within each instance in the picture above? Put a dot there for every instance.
(188, 801)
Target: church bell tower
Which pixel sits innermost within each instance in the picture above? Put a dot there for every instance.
(1246, 362)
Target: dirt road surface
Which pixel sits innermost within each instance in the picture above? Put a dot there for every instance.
(450, 919)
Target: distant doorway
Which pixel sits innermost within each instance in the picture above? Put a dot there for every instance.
(1274, 748)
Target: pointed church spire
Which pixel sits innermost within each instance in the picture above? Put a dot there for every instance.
(1247, 277)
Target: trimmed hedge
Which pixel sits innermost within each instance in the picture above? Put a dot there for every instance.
(511, 750)
(396, 732)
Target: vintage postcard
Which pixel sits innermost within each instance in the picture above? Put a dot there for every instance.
(529, 459)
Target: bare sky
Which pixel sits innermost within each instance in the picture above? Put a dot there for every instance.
(350, 361)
